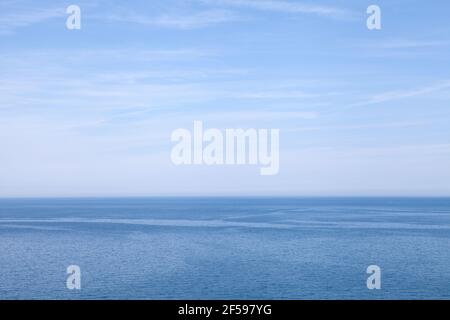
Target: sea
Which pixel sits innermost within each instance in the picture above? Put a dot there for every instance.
(225, 248)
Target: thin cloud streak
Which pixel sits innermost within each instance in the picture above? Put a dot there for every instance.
(12, 21)
(397, 95)
(286, 7)
(180, 21)
(407, 44)
(390, 96)
(360, 127)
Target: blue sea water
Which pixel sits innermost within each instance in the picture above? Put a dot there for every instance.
(225, 248)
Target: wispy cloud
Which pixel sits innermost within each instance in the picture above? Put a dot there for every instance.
(260, 115)
(400, 124)
(286, 7)
(405, 44)
(14, 20)
(33, 59)
(278, 94)
(397, 95)
(178, 21)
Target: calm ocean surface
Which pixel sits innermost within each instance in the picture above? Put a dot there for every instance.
(225, 248)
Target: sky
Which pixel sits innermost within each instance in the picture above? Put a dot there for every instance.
(90, 112)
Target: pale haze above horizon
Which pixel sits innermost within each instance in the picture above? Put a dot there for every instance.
(90, 112)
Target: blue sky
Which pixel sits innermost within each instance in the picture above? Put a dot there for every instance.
(90, 112)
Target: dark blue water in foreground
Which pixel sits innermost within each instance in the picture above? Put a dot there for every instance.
(209, 248)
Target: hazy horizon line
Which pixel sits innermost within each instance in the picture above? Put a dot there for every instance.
(218, 196)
